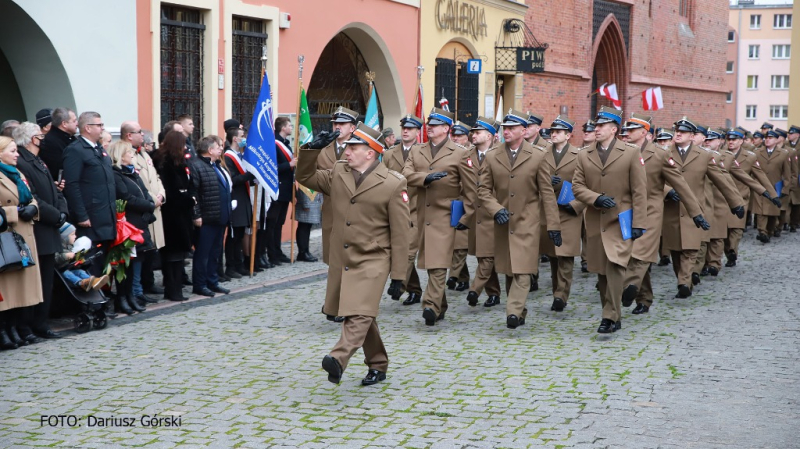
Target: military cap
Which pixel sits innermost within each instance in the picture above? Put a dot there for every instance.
(684, 124)
(608, 115)
(344, 115)
(44, 117)
(365, 135)
(781, 132)
(701, 129)
(486, 124)
(663, 134)
(794, 129)
(639, 121)
(735, 133)
(623, 132)
(441, 117)
(758, 135)
(772, 133)
(534, 119)
(767, 125)
(411, 121)
(460, 128)
(588, 127)
(562, 123)
(545, 133)
(515, 118)
(712, 134)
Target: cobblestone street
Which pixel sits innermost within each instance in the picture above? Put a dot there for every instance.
(717, 370)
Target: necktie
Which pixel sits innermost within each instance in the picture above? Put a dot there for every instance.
(481, 156)
(339, 151)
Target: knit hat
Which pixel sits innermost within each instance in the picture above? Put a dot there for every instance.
(65, 230)
(44, 117)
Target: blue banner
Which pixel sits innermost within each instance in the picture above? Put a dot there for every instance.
(566, 196)
(371, 117)
(259, 156)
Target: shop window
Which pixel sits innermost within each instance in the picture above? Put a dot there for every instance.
(249, 40)
(182, 33)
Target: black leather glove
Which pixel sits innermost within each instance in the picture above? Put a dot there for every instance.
(435, 177)
(61, 220)
(249, 177)
(569, 209)
(555, 236)
(636, 233)
(555, 179)
(28, 212)
(672, 195)
(323, 140)
(395, 288)
(738, 211)
(606, 202)
(501, 217)
(701, 222)
(461, 227)
(776, 202)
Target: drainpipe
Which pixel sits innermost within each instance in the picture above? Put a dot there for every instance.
(736, 74)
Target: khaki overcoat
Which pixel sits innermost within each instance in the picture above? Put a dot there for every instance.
(437, 237)
(679, 231)
(747, 176)
(719, 226)
(326, 161)
(20, 288)
(795, 192)
(147, 171)
(777, 167)
(393, 158)
(481, 229)
(518, 189)
(661, 170)
(570, 224)
(622, 178)
(369, 236)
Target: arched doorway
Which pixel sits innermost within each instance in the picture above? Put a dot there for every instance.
(31, 71)
(610, 62)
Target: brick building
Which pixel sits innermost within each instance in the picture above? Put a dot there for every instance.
(678, 45)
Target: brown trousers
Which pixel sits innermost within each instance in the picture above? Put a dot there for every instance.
(700, 258)
(412, 278)
(486, 277)
(766, 224)
(732, 242)
(434, 296)
(561, 274)
(638, 274)
(459, 268)
(611, 286)
(359, 331)
(519, 287)
(682, 264)
(716, 247)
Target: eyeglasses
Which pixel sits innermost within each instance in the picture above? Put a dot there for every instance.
(39, 136)
(137, 132)
(96, 124)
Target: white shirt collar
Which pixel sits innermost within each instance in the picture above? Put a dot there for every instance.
(93, 144)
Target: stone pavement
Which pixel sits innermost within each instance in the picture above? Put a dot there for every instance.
(719, 370)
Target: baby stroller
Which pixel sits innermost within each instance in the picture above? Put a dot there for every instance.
(92, 304)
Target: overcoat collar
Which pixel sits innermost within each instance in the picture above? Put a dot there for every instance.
(375, 178)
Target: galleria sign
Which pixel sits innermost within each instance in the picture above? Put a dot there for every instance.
(461, 17)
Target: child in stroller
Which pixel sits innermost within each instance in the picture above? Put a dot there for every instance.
(75, 254)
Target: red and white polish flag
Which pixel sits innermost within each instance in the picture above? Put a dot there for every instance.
(610, 91)
(652, 100)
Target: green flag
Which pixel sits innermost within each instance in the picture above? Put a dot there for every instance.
(306, 133)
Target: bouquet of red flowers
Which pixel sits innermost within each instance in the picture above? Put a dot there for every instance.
(128, 236)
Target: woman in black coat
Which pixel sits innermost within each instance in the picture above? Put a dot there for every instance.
(138, 212)
(176, 175)
(241, 217)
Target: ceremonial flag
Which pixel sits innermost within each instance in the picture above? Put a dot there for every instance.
(422, 137)
(259, 155)
(610, 91)
(305, 134)
(652, 100)
(444, 104)
(371, 117)
(499, 118)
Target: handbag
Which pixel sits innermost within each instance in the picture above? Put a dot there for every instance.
(15, 254)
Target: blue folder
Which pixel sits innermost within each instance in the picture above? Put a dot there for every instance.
(626, 223)
(779, 187)
(566, 196)
(456, 212)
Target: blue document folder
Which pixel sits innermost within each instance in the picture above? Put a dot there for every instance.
(779, 187)
(566, 196)
(626, 223)
(456, 212)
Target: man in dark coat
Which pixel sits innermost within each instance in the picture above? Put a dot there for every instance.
(61, 134)
(89, 183)
(242, 216)
(52, 214)
(276, 215)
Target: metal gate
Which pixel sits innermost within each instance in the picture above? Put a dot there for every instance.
(182, 33)
(445, 85)
(249, 40)
(467, 101)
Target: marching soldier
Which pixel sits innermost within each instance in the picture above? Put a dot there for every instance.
(532, 127)
(481, 229)
(589, 138)
(680, 234)
(663, 138)
(562, 159)
(395, 159)
(370, 207)
(775, 163)
(786, 208)
(344, 122)
(442, 172)
(610, 177)
(753, 179)
(516, 178)
(699, 139)
(459, 272)
(660, 169)
(793, 136)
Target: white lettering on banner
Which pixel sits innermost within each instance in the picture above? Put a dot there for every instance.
(461, 18)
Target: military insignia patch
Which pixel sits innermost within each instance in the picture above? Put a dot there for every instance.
(671, 161)
(757, 164)
(469, 162)
(641, 159)
(713, 161)
(721, 164)
(404, 195)
(736, 162)
(104, 154)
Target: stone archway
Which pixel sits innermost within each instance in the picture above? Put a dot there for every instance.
(32, 65)
(610, 62)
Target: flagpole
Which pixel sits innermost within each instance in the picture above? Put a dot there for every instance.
(300, 60)
(256, 187)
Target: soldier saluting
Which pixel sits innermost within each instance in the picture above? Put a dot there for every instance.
(369, 241)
